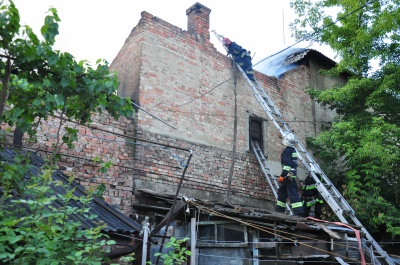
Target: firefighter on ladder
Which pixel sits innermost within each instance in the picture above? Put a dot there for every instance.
(287, 179)
(312, 199)
(242, 57)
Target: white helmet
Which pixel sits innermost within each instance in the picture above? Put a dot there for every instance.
(288, 139)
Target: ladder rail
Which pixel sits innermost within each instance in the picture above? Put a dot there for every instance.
(267, 172)
(264, 169)
(332, 196)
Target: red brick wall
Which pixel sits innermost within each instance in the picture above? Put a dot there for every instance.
(187, 83)
(79, 162)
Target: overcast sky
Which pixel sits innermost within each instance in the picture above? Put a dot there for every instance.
(93, 29)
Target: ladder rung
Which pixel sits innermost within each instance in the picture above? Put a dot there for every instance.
(336, 202)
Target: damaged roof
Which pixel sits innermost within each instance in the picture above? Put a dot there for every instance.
(248, 213)
(281, 237)
(279, 63)
(114, 220)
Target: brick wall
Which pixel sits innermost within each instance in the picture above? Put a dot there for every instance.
(183, 80)
(187, 83)
(93, 144)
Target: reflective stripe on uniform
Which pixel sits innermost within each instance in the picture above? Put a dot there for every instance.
(297, 205)
(287, 168)
(282, 204)
(311, 187)
(313, 202)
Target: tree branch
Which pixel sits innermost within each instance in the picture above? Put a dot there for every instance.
(4, 90)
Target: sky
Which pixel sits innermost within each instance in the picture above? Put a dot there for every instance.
(94, 29)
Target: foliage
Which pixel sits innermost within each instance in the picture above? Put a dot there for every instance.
(174, 257)
(38, 82)
(35, 227)
(128, 258)
(178, 253)
(361, 148)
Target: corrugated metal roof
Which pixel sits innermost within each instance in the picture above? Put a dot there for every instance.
(288, 59)
(295, 57)
(114, 220)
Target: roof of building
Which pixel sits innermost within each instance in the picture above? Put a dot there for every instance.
(114, 221)
(310, 233)
(288, 59)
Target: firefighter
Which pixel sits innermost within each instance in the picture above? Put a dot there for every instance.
(242, 57)
(287, 179)
(312, 199)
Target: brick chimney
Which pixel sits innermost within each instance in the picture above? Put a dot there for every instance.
(199, 20)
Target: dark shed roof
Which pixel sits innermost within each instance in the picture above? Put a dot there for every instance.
(114, 220)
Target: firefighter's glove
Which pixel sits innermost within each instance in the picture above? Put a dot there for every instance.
(289, 176)
(281, 179)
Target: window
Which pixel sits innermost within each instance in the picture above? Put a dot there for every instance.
(255, 133)
(221, 234)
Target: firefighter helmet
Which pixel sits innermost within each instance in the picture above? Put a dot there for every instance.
(288, 139)
(226, 41)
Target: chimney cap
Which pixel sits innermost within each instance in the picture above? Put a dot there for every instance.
(197, 8)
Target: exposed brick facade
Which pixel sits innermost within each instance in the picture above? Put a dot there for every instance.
(181, 78)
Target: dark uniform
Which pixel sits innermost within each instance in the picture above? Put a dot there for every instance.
(242, 58)
(288, 188)
(312, 200)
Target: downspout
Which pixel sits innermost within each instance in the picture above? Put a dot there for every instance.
(231, 170)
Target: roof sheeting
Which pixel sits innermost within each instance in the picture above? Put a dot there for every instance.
(114, 220)
(288, 59)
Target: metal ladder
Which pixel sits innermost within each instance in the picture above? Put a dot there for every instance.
(325, 187)
(267, 172)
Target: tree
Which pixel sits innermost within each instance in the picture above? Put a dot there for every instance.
(364, 139)
(38, 82)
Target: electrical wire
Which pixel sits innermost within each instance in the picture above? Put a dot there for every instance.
(230, 116)
(297, 42)
(250, 243)
(264, 229)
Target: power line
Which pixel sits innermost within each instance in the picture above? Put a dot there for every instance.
(229, 116)
(297, 42)
(92, 127)
(305, 243)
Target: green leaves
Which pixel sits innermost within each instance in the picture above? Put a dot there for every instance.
(9, 23)
(50, 28)
(41, 82)
(49, 81)
(363, 142)
(178, 254)
(38, 230)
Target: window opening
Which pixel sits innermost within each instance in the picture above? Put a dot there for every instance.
(255, 133)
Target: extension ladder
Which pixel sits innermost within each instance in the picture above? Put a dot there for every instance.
(267, 172)
(325, 187)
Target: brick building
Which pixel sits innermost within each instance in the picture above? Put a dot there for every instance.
(179, 76)
(181, 141)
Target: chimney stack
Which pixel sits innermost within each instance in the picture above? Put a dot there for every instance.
(199, 20)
